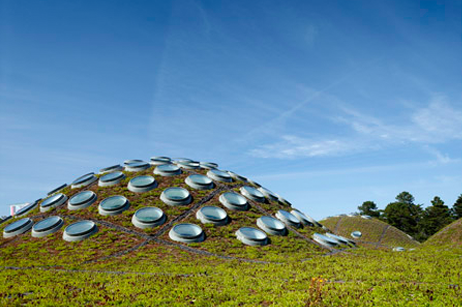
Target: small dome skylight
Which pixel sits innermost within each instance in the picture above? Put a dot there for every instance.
(270, 195)
(47, 226)
(142, 184)
(324, 240)
(81, 200)
(159, 160)
(79, 231)
(137, 166)
(26, 209)
(126, 162)
(356, 234)
(208, 165)
(18, 227)
(199, 182)
(219, 175)
(188, 164)
(304, 218)
(340, 239)
(251, 236)
(176, 196)
(252, 194)
(53, 202)
(271, 225)
(113, 205)
(148, 217)
(167, 170)
(213, 215)
(288, 218)
(111, 179)
(84, 180)
(57, 189)
(111, 169)
(187, 233)
(237, 177)
(233, 201)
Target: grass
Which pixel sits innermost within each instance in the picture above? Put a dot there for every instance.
(450, 237)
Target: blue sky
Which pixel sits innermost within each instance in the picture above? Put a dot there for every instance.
(328, 103)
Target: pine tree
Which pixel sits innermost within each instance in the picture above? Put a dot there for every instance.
(457, 208)
(435, 217)
(369, 208)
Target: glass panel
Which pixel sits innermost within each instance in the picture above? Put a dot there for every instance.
(111, 176)
(148, 214)
(113, 203)
(83, 178)
(289, 216)
(235, 199)
(142, 181)
(220, 173)
(81, 197)
(168, 168)
(17, 225)
(253, 191)
(187, 230)
(272, 222)
(51, 200)
(176, 193)
(252, 233)
(47, 223)
(200, 179)
(213, 213)
(79, 228)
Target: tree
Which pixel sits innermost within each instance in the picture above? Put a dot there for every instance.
(457, 208)
(369, 208)
(404, 214)
(435, 217)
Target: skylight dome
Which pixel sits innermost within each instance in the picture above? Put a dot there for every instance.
(53, 202)
(111, 169)
(79, 231)
(252, 194)
(233, 201)
(208, 165)
(142, 184)
(81, 200)
(111, 179)
(148, 217)
(113, 205)
(283, 201)
(187, 233)
(212, 215)
(270, 195)
(137, 166)
(324, 240)
(199, 182)
(272, 226)
(251, 236)
(188, 164)
(219, 175)
(288, 218)
(304, 218)
(159, 160)
(19, 227)
(126, 162)
(47, 226)
(237, 177)
(340, 239)
(84, 180)
(176, 196)
(167, 170)
(57, 189)
(26, 209)
(356, 234)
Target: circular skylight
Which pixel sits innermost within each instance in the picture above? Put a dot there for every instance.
(251, 236)
(367, 217)
(79, 231)
(272, 225)
(219, 175)
(126, 162)
(187, 233)
(213, 215)
(253, 183)
(233, 201)
(268, 193)
(159, 160)
(208, 165)
(57, 189)
(47, 226)
(324, 240)
(148, 217)
(188, 164)
(284, 202)
(53, 202)
(399, 249)
(305, 219)
(182, 160)
(252, 194)
(111, 169)
(288, 218)
(237, 177)
(81, 200)
(338, 238)
(142, 184)
(84, 180)
(199, 182)
(356, 234)
(18, 227)
(26, 209)
(176, 196)
(113, 205)
(137, 166)
(111, 179)
(167, 170)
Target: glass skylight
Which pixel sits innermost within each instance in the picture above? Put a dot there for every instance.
(251, 236)
(81, 200)
(284, 202)
(57, 189)
(79, 231)
(253, 183)
(219, 175)
(18, 227)
(356, 234)
(338, 238)
(167, 170)
(47, 226)
(304, 218)
(26, 209)
(399, 249)
(111, 169)
(324, 240)
(187, 233)
(159, 160)
(111, 179)
(272, 225)
(113, 205)
(268, 193)
(208, 165)
(233, 201)
(126, 162)
(199, 182)
(142, 184)
(288, 218)
(213, 215)
(176, 196)
(53, 202)
(188, 164)
(252, 194)
(148, 217)
(137, 166)
(237, 177)
(84, 180)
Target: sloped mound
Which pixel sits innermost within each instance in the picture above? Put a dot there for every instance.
(178, 203)
(374, 233)
(449, 236)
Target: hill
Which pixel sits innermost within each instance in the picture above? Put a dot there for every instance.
(450, 237)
